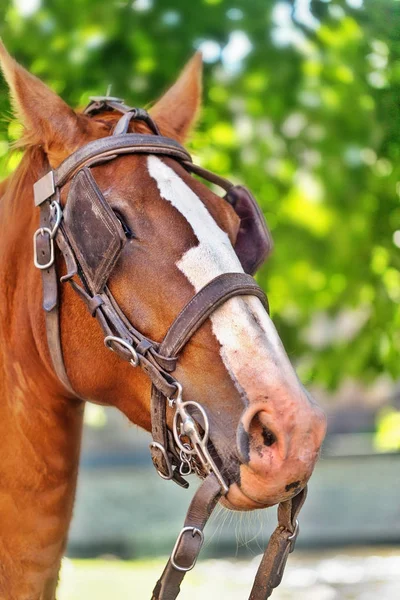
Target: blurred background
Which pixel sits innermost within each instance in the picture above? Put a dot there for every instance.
(301, 102)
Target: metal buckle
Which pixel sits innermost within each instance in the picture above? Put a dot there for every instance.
(167, 461)
(134, 361)
(51, 233)
(195, 531)
(38, 265)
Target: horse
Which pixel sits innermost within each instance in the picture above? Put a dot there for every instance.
(163, 249)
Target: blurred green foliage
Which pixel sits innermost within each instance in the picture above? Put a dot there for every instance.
(301, 104)
(387, 436)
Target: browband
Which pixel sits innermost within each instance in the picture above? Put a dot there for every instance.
(106, 148)
(110, 147)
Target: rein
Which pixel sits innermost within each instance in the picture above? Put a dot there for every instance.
(185, 449)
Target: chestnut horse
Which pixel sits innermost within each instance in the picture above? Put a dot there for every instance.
(180, 236)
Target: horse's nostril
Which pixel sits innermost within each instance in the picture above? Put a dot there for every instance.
(269, 438)
(243, 444)
(253, 440)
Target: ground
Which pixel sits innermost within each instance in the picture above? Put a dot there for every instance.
(348, 574)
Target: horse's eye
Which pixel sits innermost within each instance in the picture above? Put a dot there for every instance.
(127, 230)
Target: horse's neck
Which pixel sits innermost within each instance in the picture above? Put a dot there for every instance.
(40, 431)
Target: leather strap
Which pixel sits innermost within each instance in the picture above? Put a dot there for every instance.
(190, 540)
(223, 183)
(100, 103)
(127, 143)
(45, 255)
(281, 544)
(204, 303)
(189, 543)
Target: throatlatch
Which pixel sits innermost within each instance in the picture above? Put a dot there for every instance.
(90, 262)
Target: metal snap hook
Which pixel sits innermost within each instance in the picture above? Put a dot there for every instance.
(59, 215)
(177, 398)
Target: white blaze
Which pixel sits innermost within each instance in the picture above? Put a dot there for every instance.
(241, 324)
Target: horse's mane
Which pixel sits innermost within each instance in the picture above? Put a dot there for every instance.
(32, 165)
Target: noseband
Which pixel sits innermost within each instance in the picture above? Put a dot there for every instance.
(91, 259)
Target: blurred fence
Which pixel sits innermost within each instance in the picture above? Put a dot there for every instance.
(124, 508)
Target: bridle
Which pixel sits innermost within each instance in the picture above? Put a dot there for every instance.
(186, 448)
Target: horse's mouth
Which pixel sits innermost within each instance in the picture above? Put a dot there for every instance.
(237, 500)
(227, 466)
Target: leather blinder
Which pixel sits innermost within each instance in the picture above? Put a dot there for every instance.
(93, 230)
(254, 241)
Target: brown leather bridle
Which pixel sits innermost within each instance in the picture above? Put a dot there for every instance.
(186, 448)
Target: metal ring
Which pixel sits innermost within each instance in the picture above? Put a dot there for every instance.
(134, 361)
(195, 531)
(38, 265)
(177, 415)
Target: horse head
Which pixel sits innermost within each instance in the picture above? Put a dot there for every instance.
(159, 259)
(265, 429)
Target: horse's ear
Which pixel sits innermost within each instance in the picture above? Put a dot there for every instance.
(175, 113)
(48, 121)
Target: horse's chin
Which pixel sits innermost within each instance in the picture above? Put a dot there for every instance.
(244, 498)
(236, 499)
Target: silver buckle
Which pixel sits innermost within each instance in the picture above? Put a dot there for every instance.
(51, 233)
(195, 531)
(38, 265)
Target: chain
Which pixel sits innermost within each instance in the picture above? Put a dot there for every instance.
(194, 455)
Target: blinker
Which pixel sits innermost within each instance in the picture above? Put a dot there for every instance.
(93, 229)
(254, 241)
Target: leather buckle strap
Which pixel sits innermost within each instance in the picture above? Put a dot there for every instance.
(109, 147)
(193, 531)
(190, 540)
(281, 544)
(98, 103)
(44, 248)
